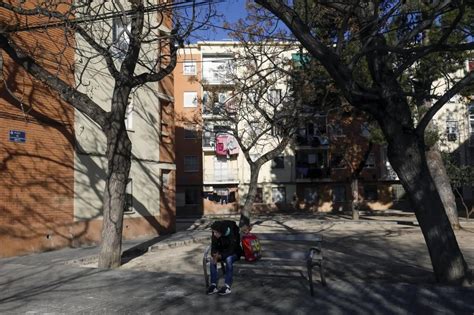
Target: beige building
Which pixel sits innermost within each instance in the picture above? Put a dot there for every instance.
(150, 197)
(455, 126)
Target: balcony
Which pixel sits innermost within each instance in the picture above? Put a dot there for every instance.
(217, 70)
(309, 173)
(229, 176)
(218, 110)
(312, 141)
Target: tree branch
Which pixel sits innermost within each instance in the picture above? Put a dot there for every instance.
(420, 129)
(105, 53)
(163, 72)
(78, 100)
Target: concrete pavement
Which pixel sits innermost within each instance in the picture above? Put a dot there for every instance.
(51, 283)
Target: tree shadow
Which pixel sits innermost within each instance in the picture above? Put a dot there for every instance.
(357, 284)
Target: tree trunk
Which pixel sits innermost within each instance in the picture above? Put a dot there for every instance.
(251, 194)
(355, 198)
(441, 179)
(407, 156)
(119, 150)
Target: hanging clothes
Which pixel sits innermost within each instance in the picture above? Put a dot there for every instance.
(232, 146)
(221, 144)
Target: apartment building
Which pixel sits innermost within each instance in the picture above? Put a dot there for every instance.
(313, 173)
(150, 200)
(53, 157)
(36, 148)
(454, 124)
(206, 181)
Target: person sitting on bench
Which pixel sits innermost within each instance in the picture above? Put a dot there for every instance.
(225, 247)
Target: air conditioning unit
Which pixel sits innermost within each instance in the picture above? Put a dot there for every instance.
(452, 136)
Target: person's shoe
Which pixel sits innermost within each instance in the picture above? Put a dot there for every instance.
(224, 290)
(212, 289)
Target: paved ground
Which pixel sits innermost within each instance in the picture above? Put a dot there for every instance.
(378, 265)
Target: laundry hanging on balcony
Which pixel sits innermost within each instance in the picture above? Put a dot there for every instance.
(221, 145)
(232, 146)
(226, 145)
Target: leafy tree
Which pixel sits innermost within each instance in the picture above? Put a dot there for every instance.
(138, 53)
(369, 49)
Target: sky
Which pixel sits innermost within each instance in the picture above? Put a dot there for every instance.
(230, 10)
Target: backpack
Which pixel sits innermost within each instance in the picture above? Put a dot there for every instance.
(251, 246)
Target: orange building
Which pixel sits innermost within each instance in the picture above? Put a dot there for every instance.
(188, 93)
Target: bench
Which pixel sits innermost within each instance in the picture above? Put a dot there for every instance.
(308, 259)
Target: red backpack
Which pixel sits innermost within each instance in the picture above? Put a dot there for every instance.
(251, 246)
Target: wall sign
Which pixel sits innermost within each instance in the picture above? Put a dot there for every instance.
(17, 136)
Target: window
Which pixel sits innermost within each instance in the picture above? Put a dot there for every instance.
(339, 193)
(189, 67)
(192, 196)
(209, 139)
(278, 162)
(120, 32)
(370, 162)
(279, 195)
(129, 114)
(190, 99)
(259, 195)
(191, 163)
(452, 130)
(217, 69)
(129, 196)
(165, 179)
(190, 131)
(370, 192)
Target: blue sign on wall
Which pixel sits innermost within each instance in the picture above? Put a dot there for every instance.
(17, 136)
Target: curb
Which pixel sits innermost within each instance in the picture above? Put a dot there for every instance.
(153, 248)
(192, 240)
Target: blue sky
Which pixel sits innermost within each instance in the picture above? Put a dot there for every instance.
(230, 10)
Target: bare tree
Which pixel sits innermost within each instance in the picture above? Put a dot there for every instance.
(384, 38)
(134, 42)
(258, 106)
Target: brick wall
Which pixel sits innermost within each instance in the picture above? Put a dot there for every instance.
(36, 186)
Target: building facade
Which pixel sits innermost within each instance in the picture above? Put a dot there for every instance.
(53, 157)
(313, 173)
(454, 124)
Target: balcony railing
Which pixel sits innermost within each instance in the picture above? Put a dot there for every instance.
(305, 172)
(313, 141)
(219, 109)
(221, 176)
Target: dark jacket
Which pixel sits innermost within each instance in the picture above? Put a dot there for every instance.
(229, 242)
